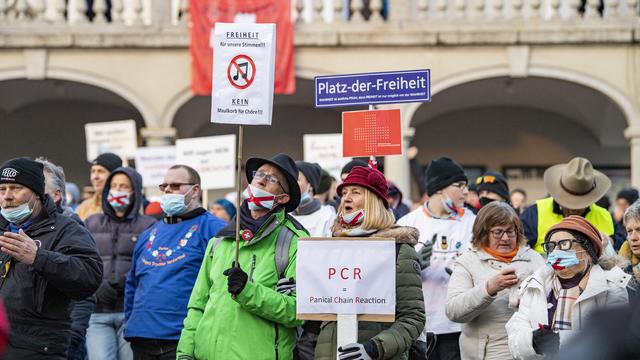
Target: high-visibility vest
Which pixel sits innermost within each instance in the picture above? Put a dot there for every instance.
(598, 216)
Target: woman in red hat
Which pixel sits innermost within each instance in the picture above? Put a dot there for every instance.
(363, 212)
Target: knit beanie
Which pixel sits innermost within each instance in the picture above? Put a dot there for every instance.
(593, 243)
(629, 194)
(351, 164)
(443, 172)
(228, 207)
(325, 182)
(312, 172)
(23, 171)
(495, 182)
(109, 161)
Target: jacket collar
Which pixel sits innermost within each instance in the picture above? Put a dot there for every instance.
(268, 227)
(186, 216)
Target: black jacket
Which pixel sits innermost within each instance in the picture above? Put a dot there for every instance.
(37, 298)
(116, 238)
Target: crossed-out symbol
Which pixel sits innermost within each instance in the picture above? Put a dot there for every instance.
(245, 71)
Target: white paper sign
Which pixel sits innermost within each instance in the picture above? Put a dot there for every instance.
(118, 137)
(153, 162)
(326, 150)
(346, 277)
(214, 157)
(243, 73)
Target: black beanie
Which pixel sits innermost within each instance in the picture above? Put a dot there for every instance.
(495, 182)
(312, 172)
(325, 182)
(109, 161)
(629, 194)
(23, 171)
(443, 172)
(351, 164)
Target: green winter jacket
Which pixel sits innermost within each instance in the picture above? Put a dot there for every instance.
(392, 340)
(259, 323)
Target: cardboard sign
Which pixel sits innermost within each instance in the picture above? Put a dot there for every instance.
(243, 71)
(371, 133)
(389, 87)
(118, 137)
(326, 150)
(346, 276)
(153, 162)
(214, 157)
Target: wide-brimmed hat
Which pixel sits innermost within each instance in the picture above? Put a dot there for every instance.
(576, 185)
(287, 167)
(369, 178)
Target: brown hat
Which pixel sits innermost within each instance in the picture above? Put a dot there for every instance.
(576, 185)
(583, 226)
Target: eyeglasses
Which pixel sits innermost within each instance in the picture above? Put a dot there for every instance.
(271, 179)
(462, 186)
(498, 233)
(487, 179)
(564, 244)
(172, 186)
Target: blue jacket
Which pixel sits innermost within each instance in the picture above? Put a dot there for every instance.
(165, 265)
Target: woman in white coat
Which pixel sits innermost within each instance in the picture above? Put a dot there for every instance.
(485, 279)
(556, 300)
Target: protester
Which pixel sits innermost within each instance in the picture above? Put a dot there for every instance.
(101, 167)
(223, 209)
(164, 266)
(472, 199)
(80, 311)
(48, 260)
(315, 217)
(116, 231)
(346, 169)
(482, 292)
(326, 188)
(249, 308)
(72, 197)
(557, 299)
(630, 250)
(519, 200)
(624, 199)
(363, 212)
(397, 206)
(492, 186)
(445, 229)
(574, 188)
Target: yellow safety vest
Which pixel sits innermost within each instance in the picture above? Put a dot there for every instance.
(598, 216)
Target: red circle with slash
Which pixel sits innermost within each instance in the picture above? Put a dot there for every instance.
(245, 72)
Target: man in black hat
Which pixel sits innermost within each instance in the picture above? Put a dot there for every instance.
(492, 186)
(314, 216)
(46, 260)
(101, 168)
(256, 296)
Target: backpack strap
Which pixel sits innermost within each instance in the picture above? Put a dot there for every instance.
(216, 242)
(283, 242)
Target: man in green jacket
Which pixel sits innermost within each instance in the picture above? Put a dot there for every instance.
(249, 311)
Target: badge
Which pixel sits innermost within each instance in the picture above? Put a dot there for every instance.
(246, 234)
(444, 245)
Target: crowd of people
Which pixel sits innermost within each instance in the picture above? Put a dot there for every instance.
(479, 275)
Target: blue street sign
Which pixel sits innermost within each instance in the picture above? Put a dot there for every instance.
(373, 88)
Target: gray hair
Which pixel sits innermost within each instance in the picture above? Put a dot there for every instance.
(56, 180)
(632, 212)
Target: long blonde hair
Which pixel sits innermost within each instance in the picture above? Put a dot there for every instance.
(377, 216)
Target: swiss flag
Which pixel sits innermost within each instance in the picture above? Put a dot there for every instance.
(206, 13)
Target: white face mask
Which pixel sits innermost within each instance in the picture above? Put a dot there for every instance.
(258, 199)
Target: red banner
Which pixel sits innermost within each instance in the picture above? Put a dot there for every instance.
(205, 13)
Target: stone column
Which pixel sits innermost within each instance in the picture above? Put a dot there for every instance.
(633, 134)
(396, 168)
(158, 136)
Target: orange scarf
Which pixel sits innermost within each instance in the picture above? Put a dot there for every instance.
(500, 256)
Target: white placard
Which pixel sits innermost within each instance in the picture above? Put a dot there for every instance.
(153, 162)
(243, 73)
(214, 157)
(346, 277)
(326, 150)
(118, 137)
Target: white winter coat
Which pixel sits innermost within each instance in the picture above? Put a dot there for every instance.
(483, 316)
(605, 288)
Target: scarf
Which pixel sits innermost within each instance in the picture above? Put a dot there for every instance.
(566, 299)
(308, 208)
(247, 222)
(505, 258)
(625, 251)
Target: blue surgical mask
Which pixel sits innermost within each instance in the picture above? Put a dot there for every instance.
(173, 204)
(258, 199)
(562, 259)
(18, 214)
(306, 197)
(353, 219)
(119, 200)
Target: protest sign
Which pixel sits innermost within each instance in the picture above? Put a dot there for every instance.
(326, 150)
(243, 71)
(346, 276)
(212, 156)
(371, 133)
(153, 162)
(118, 137)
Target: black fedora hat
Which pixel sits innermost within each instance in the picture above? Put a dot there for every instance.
(287, 167)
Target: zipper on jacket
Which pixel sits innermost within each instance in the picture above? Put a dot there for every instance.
(277, 342)
(253, 267)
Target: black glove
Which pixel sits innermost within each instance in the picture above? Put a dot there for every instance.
(236, 280)
(355, 351)
(286, 286)
(106, 294)
(424, 254)
(546, 341)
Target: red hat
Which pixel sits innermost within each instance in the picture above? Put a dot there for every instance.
(153, 208)
(583, 226)
(369, 178)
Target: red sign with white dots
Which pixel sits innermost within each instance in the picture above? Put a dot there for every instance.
(371, 133)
